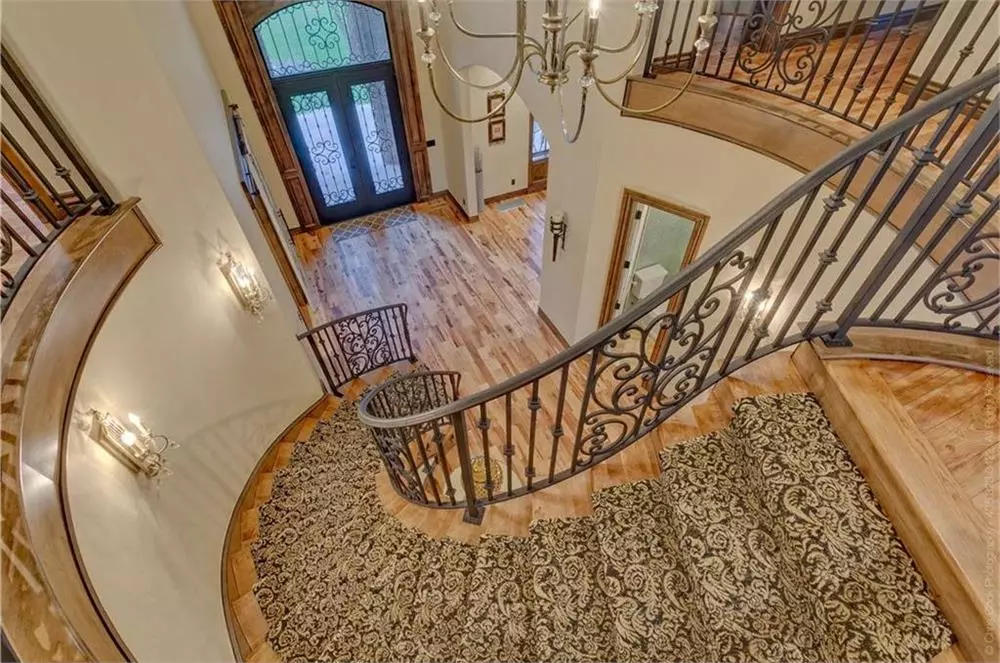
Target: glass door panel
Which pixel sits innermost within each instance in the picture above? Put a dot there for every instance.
(322, 142)
(371, 108)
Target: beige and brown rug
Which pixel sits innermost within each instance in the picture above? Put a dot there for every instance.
(760, 542)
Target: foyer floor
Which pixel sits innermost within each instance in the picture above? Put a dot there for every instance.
(472, 287)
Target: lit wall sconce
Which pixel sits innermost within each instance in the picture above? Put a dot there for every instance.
(754, 308)
(557, 226)
(252, 295)
(137, 447)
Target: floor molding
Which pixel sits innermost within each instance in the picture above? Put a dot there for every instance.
(552, 327)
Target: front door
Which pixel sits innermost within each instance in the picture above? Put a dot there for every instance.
(332, 74)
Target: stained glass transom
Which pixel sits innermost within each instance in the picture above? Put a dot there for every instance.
(316, 122)
(316, 35)
(371, 104)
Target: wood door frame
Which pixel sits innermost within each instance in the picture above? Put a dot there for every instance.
(238, 18)
(630, 197)
(539, 183)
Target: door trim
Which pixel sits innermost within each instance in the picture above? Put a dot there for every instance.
(625, 219)
(238, 18)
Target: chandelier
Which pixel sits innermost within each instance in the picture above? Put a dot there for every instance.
(549, 60)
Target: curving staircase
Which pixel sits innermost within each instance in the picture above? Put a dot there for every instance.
(758, 541)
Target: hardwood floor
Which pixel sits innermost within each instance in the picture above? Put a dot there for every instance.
(472, 288)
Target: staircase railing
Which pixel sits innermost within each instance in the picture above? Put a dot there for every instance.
(878, 236)
(865, 61)
(40, 192)
(349, 347)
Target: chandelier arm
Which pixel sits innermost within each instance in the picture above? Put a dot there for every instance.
(496, 111)
(645, 111)
(635, 60)
(479, 86)
(478, 35)
(579, 122)
(635, 35)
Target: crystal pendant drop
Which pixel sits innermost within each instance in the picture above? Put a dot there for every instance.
(427, 57)
(434, 16)
(701, 44)
(586, 81)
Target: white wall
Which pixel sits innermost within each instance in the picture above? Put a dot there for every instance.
(505, 165)
(176, 347)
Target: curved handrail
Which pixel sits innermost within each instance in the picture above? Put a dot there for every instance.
(687, 275)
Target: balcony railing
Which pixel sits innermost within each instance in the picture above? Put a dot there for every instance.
(878, 236)
(349, 347)
(46, 184)
(865, 61)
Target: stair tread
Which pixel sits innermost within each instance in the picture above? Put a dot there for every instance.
(501, 603)
(573, 620)
(649, 591)
(727, 549)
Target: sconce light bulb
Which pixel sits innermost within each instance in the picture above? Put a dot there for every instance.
(594, 8)
(128, 438)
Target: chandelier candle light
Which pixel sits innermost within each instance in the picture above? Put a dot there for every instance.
(554, 52)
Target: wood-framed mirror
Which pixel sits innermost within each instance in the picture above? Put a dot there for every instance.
(654, 240)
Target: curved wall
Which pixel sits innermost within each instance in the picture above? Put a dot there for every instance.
(131, 84)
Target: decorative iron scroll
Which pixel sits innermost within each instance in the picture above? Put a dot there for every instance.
(349, 347)
(317, 35)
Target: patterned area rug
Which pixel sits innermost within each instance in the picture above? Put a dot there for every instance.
(363, 225)
(760, 542)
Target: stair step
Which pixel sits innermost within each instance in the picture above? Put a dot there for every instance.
(729, 554)
(573, 621)
(799, 477)
(649, 592)
(501, 603)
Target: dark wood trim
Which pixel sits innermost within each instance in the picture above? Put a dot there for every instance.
(450, 197)
(499, 198)
(630, 198)
(552, 327)
(238, 18)
(314, 410)
(128, 207)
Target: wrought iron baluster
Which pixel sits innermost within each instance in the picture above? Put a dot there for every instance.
(334, 386)
(414, 433)
(841, 4)
(557, 429)
(28, 248)
(484, 427)
(921, 216)
(968, 49)
(438, 438)
(729, 35)
(473, 512)
(24, 218)
(947, 41)
(534, 404)
(761, 331)
(857, 54)
(829, 76)
(831, 204)
(860, 84)
(956, 212)
(670, 36)
(734, 306)
(60, 170)
(26, 193)
(970, 110)
(921, 159)
(902, 77)
(428, 470)
(508, 450)
(582, 419)
(904, 34)
(647, 67)
(336, 359)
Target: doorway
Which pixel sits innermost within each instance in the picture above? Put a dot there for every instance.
(655, 240)
(330, 65)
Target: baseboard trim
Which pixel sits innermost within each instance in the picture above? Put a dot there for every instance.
(552, 327)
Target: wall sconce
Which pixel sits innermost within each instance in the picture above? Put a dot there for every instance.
(557, 226)
(252, 295)
(137, 447)
(754, 308)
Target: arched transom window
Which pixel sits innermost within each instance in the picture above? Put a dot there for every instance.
(317, 35)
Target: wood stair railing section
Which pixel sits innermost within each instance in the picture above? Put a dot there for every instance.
(50, 613)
